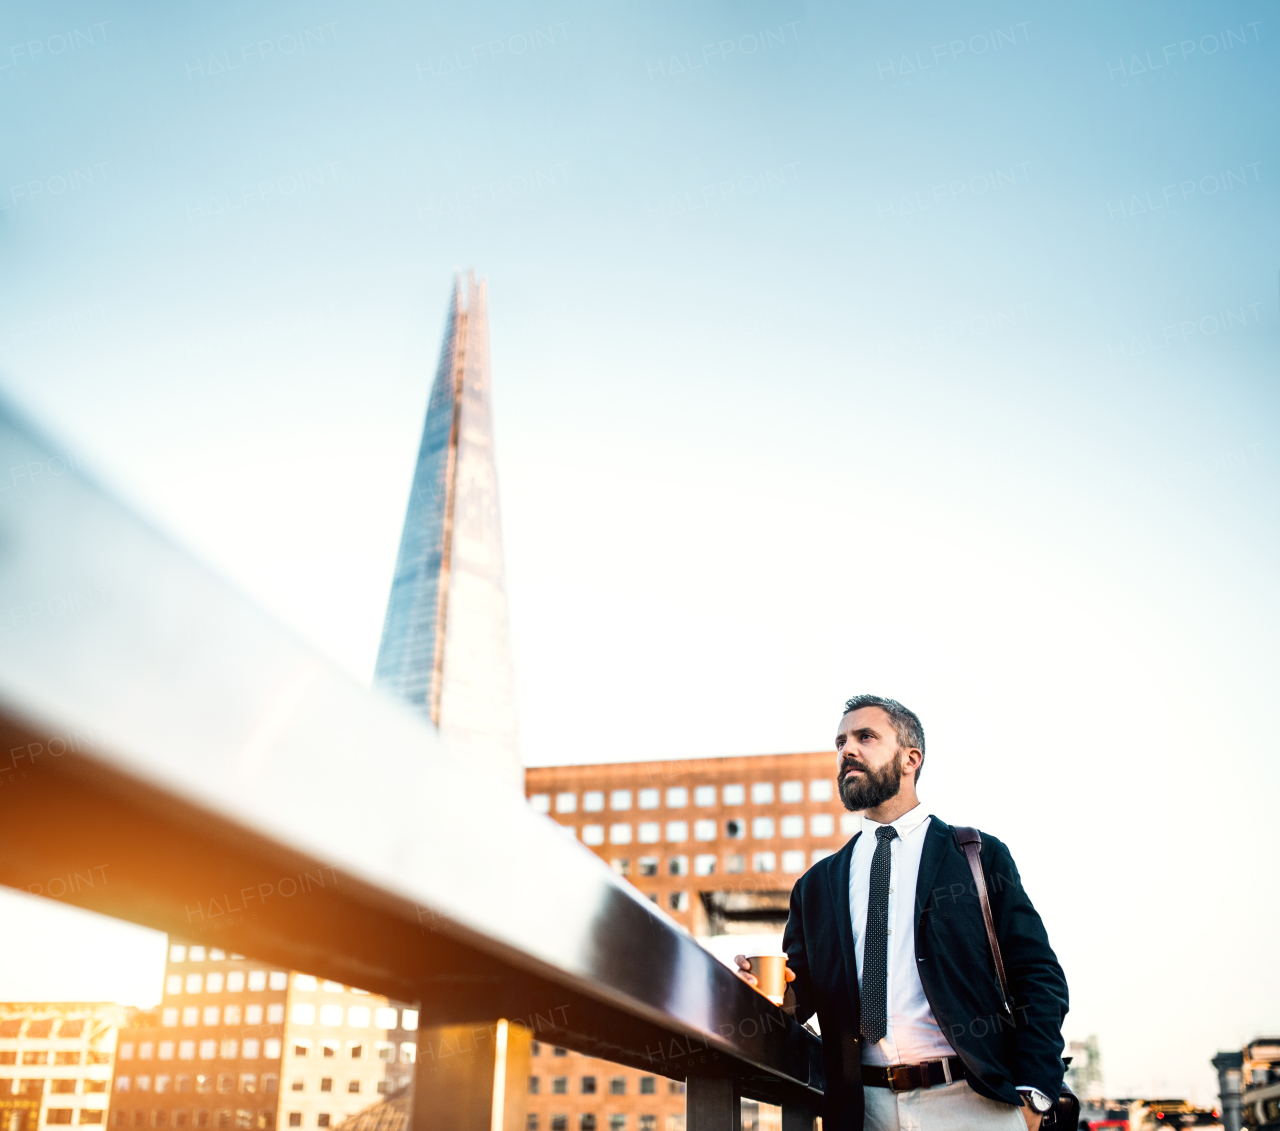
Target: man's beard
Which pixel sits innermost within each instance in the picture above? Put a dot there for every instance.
(874, 787)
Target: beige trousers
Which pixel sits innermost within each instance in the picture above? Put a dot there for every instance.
(946, 1107)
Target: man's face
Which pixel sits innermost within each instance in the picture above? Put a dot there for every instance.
(870, 760)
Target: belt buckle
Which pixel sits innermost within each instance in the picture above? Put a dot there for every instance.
(900, 1078)
(926, 1069)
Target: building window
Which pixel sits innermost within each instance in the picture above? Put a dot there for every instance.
(213, 984)
(231, 1015)
(822, 824)
(33, 1057)
(559, 1123)
(648, 1085)
(734, 794)
(326, 1084)
(850, 823)
(248, 1083)
(704, 796)
(166, 1050)
(257, 981)
(566, 802)
(190, 1016)
(735, 829)
(275, 1013)
(677, 797)
(620, 799)
(93, 1115)
(271, 1048)
(648, 865)
(353, 1087)
(409, 1020)
(122, 1085)
(620, 834)
(791, 792)
(229, 1049)
(559, 1052)
(534, 1083)
(385, 1050)
(735, 864)
(271, 1083)
(587, 1121)
(195, 983)
(648, 1123)
(298, 1084)
(126, 1050)
(531, 1121)
(677, 831)
(95, 1085)
(618, 1086)
(762, 828)
(704, 865)
(588, 1085)
(560, 1086)
(173, 984)
(61, 1087)
(212, 1014)
(678, 901)
(792, 826)
(249, 1050)
(820, 790)
(226, 1083)
(678, 865)
(186, 1050)
(764, 862)
(622, 867)
(793, 861)
(593, 801)
(183, 1085)
(593, 834)
(322, 1120)
(59, 1114)
(382, 1088)
(762, 793)
(177, 953)
(650, 798)
(704, 830)
(204, 1083)
(295, 1119)
(235, 981)
(535, 1048)
(650, 832)
(541, 802)
(160, 1118)
(280, 980)
(408, 1050)
(675, 1087)
(331, 1015)
(304, 1013)
(139, 1118)
(617, 1123)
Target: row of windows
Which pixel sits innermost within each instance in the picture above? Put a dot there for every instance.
(12, 1087)
(762, 828)
(357, 1016)
(299, 1084)
(382, 1050)
(227, 1049)
(234, 981)
(197, 954)
(42, 1027)
(66, 1115)
(587, 1122)
(226, 1082)
(191, 1015)
(60, 1056)
(704, 796)
(242, 1119)
(793, 864)
(617, 1085)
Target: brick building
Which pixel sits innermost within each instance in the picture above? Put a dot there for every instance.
(237, 1044)
(55, 1062)
(717, 843)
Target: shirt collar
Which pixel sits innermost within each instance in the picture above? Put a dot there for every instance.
(906, 824)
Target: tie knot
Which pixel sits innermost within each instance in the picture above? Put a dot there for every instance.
(886, 832)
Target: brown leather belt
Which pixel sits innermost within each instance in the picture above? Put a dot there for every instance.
(908, 1077)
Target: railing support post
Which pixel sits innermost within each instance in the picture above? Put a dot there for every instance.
(712, 1104)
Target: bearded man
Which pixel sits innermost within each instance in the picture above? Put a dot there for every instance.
(887, 944)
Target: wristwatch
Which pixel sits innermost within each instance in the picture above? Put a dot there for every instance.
(1036, 1100)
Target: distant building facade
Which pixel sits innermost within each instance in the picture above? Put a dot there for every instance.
(236, 1044)
(446, 647)
(55, 1063)
(717, 844)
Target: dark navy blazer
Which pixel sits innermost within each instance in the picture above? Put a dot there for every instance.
(956, 970)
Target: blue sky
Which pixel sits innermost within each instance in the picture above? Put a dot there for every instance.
(929, 351)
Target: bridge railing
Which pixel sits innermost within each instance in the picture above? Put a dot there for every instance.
(156, 722)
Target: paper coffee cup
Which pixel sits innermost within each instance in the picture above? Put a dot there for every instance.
(770, 974)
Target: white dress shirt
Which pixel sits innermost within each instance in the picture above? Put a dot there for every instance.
(913, 1034)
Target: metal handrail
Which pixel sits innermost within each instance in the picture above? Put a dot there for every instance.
(157, 724)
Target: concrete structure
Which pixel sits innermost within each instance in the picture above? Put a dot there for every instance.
(237, 1044)
(55, 1063)
(445, 641)
(1229, 1066)
(717, 843)
(1260, 1080)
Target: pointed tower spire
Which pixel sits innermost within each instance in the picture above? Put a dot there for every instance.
(446, 646)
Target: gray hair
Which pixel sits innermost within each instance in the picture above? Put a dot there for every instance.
(906, 723)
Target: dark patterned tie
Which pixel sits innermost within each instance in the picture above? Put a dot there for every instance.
(875, 940)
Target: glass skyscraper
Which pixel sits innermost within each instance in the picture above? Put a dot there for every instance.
(446, 645)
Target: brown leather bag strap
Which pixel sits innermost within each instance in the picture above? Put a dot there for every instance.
(970, 841)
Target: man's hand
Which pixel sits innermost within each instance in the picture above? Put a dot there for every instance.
(744, 970)
(1030, 1114)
